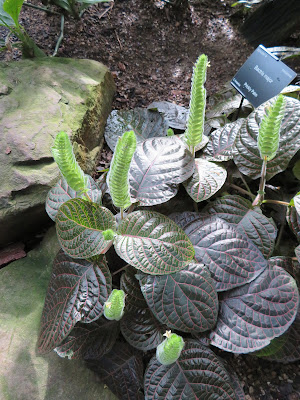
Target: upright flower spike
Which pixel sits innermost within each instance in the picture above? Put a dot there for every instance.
(195, 124)
(114, 306)
(170, 349)
(63, 154)
(269, 130)
(117, 178)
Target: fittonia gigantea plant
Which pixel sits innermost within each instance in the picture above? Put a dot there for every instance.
(176, 266)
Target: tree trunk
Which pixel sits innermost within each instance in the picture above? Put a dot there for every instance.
(272, 22)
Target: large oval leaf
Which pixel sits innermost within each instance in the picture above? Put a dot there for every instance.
(231, 257)
(254, 314)
(197, 374)
(145, 124)
(248, 158)
(175, 115)
(79, 226)
(139, 327)
(157, 167)
(251, 222)
(62, 192)
(186, 301)
(121, 370)
(89, 340)
(77, 291)
(207, 179)
(153, 243)
(221, 142)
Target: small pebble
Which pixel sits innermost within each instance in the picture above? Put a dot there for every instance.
(251, 390)
(290, 381)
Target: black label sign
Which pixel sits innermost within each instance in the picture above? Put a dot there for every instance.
(262, 77)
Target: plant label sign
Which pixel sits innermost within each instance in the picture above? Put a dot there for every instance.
(262, 77)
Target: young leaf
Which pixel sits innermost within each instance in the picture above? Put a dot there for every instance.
(80, 225)
(13, 8)
(117, 178)
(195, 124)
(63, 154)
(268, 135)
(170, 349)
(114, 306)
(153, 243)
(77, 292)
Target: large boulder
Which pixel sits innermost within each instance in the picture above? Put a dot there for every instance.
(23, 374)
(37, 100)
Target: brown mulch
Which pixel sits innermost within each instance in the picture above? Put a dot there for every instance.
(151, 51)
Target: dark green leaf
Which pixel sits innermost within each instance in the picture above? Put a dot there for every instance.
(121, 370)
(254, 314)
(89, 340)
(130, 285)
(247, 157)
(153, 243)
(251, 222)
(13, 8)
(80, 224)
(62, 192)
(206, 181)
(231, 257)
(157, 167)
(197, 374)
(145, 124)
(186, 301)
(77, 292)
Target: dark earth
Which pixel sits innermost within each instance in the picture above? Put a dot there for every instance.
(150, 50)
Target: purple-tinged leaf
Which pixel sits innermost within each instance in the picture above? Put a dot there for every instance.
(153, 243)
(249, 221)
(289, 264)
(254, 314)
(296, 200)
(206, 181)
(220, 146)
(139, 327)
(145, 124)
(231, 257)
(89, 340)
(197, 374)
(62, 192)
(176, 116)
(121, 370)
(77, 292)
(247, 156)
(157, 167)
(79, 226)
(186, 301)
(285, 348)
(293, 219)
(185, 218)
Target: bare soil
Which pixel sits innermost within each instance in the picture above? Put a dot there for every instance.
(151, 51)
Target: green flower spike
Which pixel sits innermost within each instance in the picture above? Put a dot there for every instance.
(63, 154)
(170, 349)
(195, 123)
(269, 130)
(114, 306)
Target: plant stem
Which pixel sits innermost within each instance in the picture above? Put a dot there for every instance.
(279, 202)
(261, 191)
(40, 8)
(61, 36)
(245, 183)
(196, 206)
(120, 270)
(246, 192)
(122, 212)
(88, 197)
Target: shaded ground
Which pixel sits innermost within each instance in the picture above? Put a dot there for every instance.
(151, 52)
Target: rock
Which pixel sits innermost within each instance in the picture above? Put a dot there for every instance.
(23, 374)
(37, 100)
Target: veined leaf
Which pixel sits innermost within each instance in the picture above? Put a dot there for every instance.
(77, 292)
(62, 192)
(231, 257)
(121, 370)
(176, 116)
(186, 301)
(197, 374)
(251, 222)
(207, 179)
(153, 243)
(89, 340)
(13, 8)
(247, 156)
(254, 314)
(79, 226)
(157, 167)
(293, 219)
